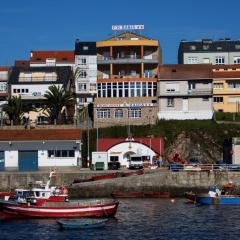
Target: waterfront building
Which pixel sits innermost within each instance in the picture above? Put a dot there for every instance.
(85, 70)
(185, 91)
(4, 76)
(52, 58)
(226, 88)
(120, 149)
(127, 68)
(222, 51)
(31, 83)
(36, 149)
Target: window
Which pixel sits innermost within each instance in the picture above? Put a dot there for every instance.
(205, 47)
(205, 99)
(85, 48)
(61, 153)
(236, 60)
(234, 84)
(192, 60)
(113, 158)
(220, 60)
(83, 74)
(82, 87)
(218, 85)
(218, 99)
(103, 113)
(172, 87)
(192, 47)
(191, 85)
(119, 113)
(170, 102)
(50, 61)
(81, 61)
(134, 113)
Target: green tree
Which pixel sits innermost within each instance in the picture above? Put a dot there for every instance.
(57, 100)
(15, 108)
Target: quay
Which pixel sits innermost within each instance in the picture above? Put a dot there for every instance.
(157, 180)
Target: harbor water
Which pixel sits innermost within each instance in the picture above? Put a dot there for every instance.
(140, 219)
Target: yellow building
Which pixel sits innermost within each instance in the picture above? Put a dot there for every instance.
(226, 88)
(127, 76)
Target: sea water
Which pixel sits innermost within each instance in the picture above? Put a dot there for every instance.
(140, 219)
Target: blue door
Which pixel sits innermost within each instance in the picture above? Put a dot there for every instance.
(28, 160)
(2, 161)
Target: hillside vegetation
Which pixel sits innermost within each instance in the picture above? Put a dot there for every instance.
(189, 138)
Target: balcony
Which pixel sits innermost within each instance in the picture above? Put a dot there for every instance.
(200, 92)
(128, 59)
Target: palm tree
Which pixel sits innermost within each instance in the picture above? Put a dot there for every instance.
(15, 108)
(57, 100)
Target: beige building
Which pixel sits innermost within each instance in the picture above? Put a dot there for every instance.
(127, 80)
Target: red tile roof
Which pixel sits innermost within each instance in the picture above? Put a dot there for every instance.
(22, 63)
(40, 134)
(226, 71)
(60, 56)
(156, 144)
(4, 69)
(185, 71)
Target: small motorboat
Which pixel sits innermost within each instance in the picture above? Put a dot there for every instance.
(190, 196)
(79, 180)
(82, 223)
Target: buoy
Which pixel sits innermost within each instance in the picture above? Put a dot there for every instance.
(173, 200)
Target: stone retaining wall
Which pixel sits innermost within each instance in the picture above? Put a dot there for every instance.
(155, 180)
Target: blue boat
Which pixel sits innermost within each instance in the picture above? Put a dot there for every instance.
(82, 223)
(218, 200)
(217, 197)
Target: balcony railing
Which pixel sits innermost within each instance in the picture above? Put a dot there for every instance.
(202, 91)
(127, 59)
(37, 79)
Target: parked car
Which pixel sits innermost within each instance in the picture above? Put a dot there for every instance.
(113, 165)
(175, 166)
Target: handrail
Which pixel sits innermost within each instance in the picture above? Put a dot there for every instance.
(204, 167)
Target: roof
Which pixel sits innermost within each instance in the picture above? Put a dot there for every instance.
(226, 71)
(156, 144)
(22, 63)
(185, 71)
(40, 134)
(127, 35)
(4, 69)
(209, 45)
(60, 56)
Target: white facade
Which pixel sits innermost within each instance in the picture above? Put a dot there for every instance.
(11, 160)
(123, 150)
(85, 78)
(30, 91)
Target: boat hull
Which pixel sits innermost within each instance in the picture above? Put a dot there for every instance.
(191, 197)
(81, 224)
(62, 210)
(157, 195)
(222, 200)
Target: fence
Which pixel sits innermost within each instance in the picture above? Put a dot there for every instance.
(204, 167)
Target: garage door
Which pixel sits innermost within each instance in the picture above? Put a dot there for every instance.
(2, 161)
(28, 160)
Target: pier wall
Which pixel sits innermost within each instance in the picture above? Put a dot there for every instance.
(153, 180)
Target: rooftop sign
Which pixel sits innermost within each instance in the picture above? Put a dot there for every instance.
(127, 27)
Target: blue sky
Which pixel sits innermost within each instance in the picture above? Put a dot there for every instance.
(55, 24)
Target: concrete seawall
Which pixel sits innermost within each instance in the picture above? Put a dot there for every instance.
(153, 180)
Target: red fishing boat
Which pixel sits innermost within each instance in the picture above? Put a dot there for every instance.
(70, 209)
(106, 176)
(128, 195)
(131, 173)
(157, 194)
